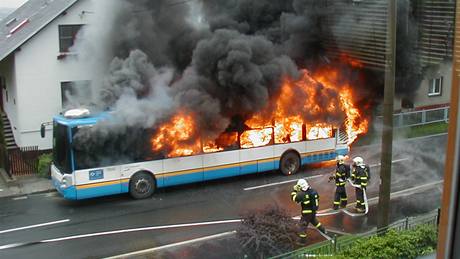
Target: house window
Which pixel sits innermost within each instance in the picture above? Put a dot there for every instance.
(67, 35)
(75, 93)
(435, 87)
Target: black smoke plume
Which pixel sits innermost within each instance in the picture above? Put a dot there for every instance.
(222, 60)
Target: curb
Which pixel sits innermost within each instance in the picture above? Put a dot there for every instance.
(27, 194)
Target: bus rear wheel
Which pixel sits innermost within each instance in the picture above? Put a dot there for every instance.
(141, 185)
(290, 163)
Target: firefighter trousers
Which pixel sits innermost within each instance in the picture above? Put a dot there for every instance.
(340, 198)
(360, 198)
(306, 219)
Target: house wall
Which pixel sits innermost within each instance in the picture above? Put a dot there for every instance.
(422, 99)
(9, 95)
(39, 74)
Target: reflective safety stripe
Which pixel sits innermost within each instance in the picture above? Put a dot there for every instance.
(343, 199)
(293, 197)
(363, 178)
(306, 202)
(340, 183)
(364, 184)
(318, 225)
(302, 235)
(307, 211)
(336, 202)
(358, 201)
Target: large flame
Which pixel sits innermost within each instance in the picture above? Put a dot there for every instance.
(304, 109)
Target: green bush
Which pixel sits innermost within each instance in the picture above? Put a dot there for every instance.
(44, 165)
(405, 244)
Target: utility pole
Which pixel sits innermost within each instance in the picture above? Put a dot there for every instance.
(387, 132)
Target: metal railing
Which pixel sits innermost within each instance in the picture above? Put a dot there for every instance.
(330, 247)
(422, 117)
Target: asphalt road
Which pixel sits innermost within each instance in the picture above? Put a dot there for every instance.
(116, 225)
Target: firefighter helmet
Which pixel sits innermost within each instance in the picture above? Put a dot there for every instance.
(358, 161)
(303, 184)
(340, 159)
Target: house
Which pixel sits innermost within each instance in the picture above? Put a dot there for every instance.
(34, 70)
(359, 30)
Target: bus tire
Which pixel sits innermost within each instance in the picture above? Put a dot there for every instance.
(290, 163)
(141, 185)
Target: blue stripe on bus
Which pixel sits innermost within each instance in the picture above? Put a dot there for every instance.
(248, 168)
(183, 179)
(99, 191)
(221, 173)
(265, 166)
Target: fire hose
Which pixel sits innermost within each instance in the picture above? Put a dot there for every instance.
(366, 204)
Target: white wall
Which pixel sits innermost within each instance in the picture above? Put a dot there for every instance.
(421, 96)
(39, 75)
(7, 70)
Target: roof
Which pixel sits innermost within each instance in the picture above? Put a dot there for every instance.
(90, 120)
(27, 20)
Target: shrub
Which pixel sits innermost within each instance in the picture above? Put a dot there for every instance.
(268, 233)
(405, 244)
(44, 165)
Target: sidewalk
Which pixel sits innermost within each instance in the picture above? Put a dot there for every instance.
(23, 185)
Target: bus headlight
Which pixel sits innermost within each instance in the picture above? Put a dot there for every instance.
(66, 181)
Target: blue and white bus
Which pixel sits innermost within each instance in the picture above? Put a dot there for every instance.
(76, 179)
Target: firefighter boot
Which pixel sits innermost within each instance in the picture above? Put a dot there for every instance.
(302, 241)
(336, 205)
(343, 203)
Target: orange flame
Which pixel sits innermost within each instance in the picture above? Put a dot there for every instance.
(304, 109)
(179, 133)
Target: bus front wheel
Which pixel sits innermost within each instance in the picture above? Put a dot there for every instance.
(290, 163)
(141, 185)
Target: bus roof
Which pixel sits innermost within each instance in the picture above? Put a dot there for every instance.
(90, 120)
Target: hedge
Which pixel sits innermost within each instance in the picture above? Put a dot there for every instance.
(419, 241)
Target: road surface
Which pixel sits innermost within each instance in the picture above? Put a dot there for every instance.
(47, 226)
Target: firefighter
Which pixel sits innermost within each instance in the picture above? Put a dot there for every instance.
(309, 202)
(342, 173)
(360, 177)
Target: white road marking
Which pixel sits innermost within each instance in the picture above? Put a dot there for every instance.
(328, 213)
(11, 246)
(20, 198)
(279, 183)
(121, 231)
(154, 249)
(394, 161)
(1, 190)
(35, 226)
(309, 178)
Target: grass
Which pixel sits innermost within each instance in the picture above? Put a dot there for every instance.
(403, 133)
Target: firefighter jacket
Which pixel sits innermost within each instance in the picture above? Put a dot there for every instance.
(360, 175)
(309, 200)
(342, 173)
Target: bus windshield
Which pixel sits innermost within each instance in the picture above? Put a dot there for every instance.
(61, 148)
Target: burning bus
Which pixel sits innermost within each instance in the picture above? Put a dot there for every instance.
(285, 135)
